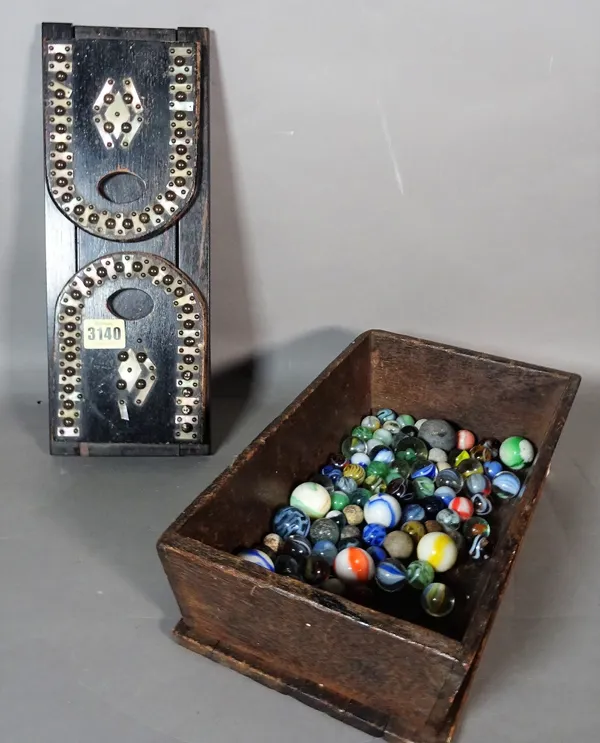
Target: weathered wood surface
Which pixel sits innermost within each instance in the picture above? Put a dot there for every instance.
(286, 634)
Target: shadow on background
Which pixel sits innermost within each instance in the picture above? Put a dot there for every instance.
(232, 324)
(549, 579)
(27, 306)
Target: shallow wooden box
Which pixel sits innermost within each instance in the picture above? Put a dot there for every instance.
(388, 670)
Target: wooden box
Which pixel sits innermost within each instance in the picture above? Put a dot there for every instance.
(388, 669)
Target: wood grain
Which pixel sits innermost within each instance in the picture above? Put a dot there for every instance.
(401, 675)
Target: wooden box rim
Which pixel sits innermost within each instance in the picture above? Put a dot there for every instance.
(463, 651)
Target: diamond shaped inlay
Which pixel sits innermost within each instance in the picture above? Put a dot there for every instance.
(118, 115)
(139, 373)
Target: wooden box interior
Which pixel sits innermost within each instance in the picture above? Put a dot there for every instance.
(491, 396)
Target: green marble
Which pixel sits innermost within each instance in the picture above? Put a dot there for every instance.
(420, 574)
(339, 500)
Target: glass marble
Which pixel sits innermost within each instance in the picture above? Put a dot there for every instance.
(439, 434)
(352, 445)
(361, 432)
(410, 448)
(316, 570)
(350, 531)
(465, 439)
(450, 478)
(397, 438)
(410, 431)
(415, 530)
(297, 546)
(482, 505)
(478, 484)
(339, 500)
(324, 481)
(475, 527)
(363, 460)
(377, 553)
(431, 525)
(385, 414)
(493, 445)
(432, 505)
(289, 520)
(273, 542)
(257, 557)
(443, 466)
(492, 469)
(448, 519)
(445, 493)
(384, 510)
(390, 575)
(427, 470)
(354, 564)
(348, 542)
(324, 529)
(397, 488)
(337, 459)
(481, 452)
(326, 550)
(288, 565)
(374, 534)
(346, 485)
(405, 419)
(384, 436)
(393, 474)
(439, 550)
(354, 515)
(423, 487)
(337, 517)
(469, 466)
(419, 423)
(420, 574)
(312, 499)
(506, 485)
(478, 549)
(360, 496)
(333, 585)
(516, 452)
(414, 512)
(371, 422)
(373, 444)
(375, 484)
(459, 457)
(392, 426)
(404, 468)
(462, 506)
(379, 469)
(355, 472)
(399, 544)
(438, 600)
(332, 472)
(437, 455)
(383, 454)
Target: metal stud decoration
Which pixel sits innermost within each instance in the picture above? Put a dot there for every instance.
(127, 270)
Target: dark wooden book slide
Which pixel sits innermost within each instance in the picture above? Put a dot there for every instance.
(127, 239)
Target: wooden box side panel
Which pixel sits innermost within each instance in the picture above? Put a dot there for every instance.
(284, 635)
(236, 510)
(492, 396)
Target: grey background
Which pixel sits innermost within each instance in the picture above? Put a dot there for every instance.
(426, 167)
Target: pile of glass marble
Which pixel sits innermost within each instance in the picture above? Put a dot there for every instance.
(396, 508)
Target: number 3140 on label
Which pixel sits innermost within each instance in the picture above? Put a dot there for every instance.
(104, 334)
